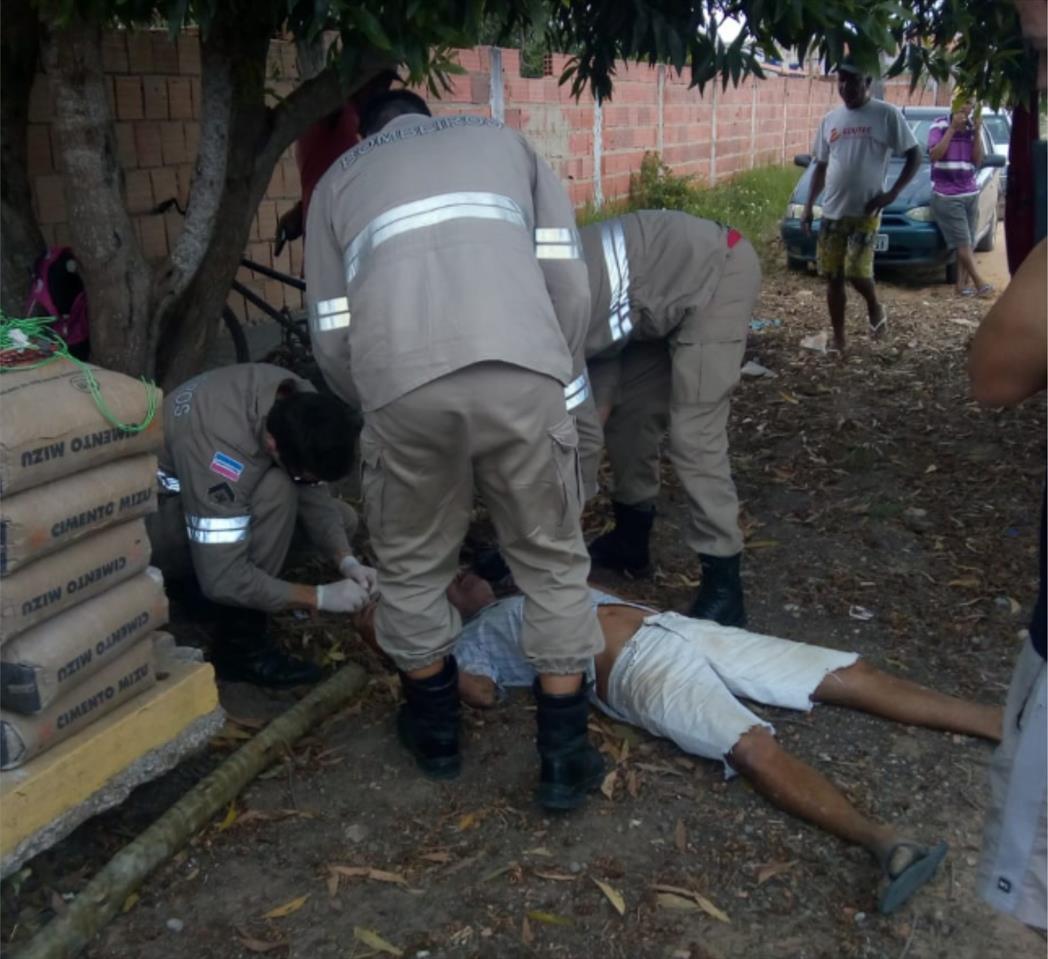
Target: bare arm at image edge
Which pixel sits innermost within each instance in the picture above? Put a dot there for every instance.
(1008, 363)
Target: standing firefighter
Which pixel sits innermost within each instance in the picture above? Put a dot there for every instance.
(447, 291)
(672, 297)
(247, 452)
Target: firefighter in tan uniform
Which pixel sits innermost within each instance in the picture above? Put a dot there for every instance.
(247, 453)
(447, 293)
(672, 297)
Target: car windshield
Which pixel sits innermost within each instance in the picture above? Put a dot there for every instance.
(998, 127)
(921, 125)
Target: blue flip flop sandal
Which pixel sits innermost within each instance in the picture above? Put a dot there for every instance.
(915, 875)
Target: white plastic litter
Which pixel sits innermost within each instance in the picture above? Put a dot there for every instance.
(817, 342)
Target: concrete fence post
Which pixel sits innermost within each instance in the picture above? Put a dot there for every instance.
(660, 93)
(753, 122)
(497, 101)
(713, 135)
(598, 152)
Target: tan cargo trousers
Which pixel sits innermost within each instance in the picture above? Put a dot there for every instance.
(684, 383)
(276, 536)
(506, 430)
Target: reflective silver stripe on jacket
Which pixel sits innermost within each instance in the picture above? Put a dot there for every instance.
(429, 212)
(617, 264)
(168, 482)
(576, 391)
(217, 529)
(327, 315)
(557, 243)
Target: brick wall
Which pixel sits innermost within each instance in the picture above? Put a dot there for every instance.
(154, 85)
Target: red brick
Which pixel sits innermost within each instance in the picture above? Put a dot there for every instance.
(165, 183)
(180, 98)
(174, 223)
(188, 54)
(138, 191)
(38, 149)
(165, 52)
(153, 237)
(275, 292)
(294, 251)
(195, 95)
(267, 219)
(50, 199)
(184, 175)
(139, 52)
(126, 153)
(129, 105)
(154, 90)
(114, 51)
(192, 135)
(148, 144)
(173, 143)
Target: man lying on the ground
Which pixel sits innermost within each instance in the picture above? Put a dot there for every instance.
(679, 678)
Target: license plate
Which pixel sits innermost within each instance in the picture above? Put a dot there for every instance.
(880, 243)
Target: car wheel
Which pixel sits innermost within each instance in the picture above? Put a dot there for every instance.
(989, 241)
(796, 263)
(951, 272)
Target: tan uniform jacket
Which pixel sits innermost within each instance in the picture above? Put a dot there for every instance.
(215, 457)
(438, 243)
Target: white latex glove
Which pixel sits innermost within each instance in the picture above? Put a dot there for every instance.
(344, 596)
(353, 569)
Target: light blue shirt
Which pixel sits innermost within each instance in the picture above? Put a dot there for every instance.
(489, 644)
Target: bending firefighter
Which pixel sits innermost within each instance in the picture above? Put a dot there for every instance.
(247, 453)
(447, 291)
(671, 297)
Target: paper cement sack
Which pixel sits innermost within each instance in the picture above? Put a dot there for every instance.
(47, 518)
(48, 661)
(94, 564)
(52, 427)
(23, 737)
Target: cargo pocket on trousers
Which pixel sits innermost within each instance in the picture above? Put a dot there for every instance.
(568, 465)
(706, 373)
(371, 483)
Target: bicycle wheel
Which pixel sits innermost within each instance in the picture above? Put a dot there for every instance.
(236, 334)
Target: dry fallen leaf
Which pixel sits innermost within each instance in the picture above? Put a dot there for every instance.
(556, 876)
(251, 944)
(670, 900)
(229, 818)
(608, 786)
(772, 869)
(700, 900)
(614, 896)
(287, 909)
(440, 855)
(371, 938)
(548, 918)
(680, 836)
(527, 934)
(129, 902)
(366, 872)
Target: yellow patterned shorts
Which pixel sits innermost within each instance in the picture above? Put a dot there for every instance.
(846, 247)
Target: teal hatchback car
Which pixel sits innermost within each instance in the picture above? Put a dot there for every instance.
(908, 236)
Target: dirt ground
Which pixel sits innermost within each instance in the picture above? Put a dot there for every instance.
(884, 512)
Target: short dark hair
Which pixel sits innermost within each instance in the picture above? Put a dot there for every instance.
(379, 110)
(313, 433)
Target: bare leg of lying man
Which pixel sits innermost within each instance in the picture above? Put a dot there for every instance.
(683, 679)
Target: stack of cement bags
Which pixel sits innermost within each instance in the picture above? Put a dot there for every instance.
(79, 603)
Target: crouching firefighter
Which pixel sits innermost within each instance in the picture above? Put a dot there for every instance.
(248, 451)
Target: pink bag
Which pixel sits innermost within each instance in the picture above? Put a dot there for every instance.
(58, 291)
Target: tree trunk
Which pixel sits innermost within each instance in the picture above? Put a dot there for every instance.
(116, 274)
(20, 238)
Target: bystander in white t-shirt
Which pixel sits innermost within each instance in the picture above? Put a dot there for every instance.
(856, 146)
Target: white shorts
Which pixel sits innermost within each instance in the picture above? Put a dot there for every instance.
(1015, 845)
(678, 677)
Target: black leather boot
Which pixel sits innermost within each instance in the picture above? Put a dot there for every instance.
(570, 766)
(720, 594)
(625, 548)
(244, 652)
(428, 721)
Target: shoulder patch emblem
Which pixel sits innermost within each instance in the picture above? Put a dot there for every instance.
(226, 466)
(221, 493)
